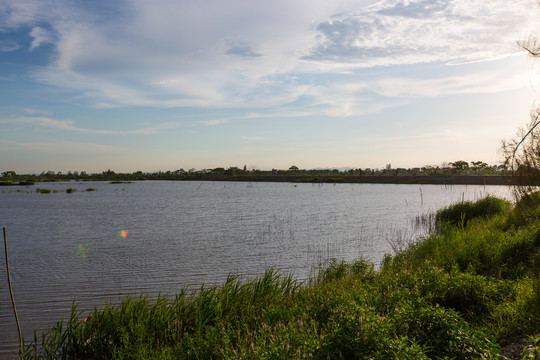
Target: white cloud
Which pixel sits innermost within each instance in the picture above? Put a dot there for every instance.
(17, 13)
(69, 126)
(409, 32)
(416, 9)
(263, 55)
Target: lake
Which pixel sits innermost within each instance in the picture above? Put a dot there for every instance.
(160, 236)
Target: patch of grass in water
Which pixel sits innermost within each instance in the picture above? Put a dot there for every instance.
(27, 182)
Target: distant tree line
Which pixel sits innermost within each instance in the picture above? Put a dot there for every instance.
(293, 173)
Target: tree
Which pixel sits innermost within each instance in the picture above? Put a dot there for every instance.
(233, 170)
(108, 173)
(479, 166)
(459, 166)
(522, 153)
(9, 173)
(522, 156)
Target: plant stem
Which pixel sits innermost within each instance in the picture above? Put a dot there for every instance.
(11, 294)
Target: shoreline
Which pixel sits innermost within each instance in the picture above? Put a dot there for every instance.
(292, 178)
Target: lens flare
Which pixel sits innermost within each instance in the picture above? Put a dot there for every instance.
(123, 234)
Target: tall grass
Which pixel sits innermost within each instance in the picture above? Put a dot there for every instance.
(461, 293)
(461, 213)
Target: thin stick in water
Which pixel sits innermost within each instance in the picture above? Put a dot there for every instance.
(11, 294)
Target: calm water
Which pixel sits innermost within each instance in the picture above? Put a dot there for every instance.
(68, 246)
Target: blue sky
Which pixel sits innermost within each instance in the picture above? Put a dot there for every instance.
(166, 84)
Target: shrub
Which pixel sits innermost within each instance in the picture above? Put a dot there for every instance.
(526, 209)
(455, 338)
(473, 296)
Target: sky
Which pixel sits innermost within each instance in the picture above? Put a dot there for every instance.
(138, 85)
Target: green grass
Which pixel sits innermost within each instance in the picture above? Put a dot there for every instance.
(461, 293)
(461, 213)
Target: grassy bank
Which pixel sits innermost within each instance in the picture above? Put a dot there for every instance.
(464, 292)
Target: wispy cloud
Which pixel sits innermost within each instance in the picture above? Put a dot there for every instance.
(72, 147)
(40, 36)
(454, 85)
(36, 112)
(46, 122)
(8, 45)
(252, 139)
(212, 122)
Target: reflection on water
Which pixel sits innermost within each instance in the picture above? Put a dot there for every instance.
(153, 237)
